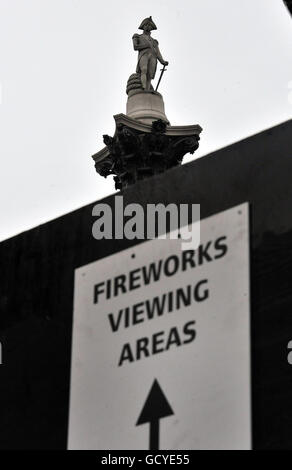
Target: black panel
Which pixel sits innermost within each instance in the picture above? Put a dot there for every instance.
(36, 293)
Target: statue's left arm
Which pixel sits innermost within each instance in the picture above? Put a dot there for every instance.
(159, 56)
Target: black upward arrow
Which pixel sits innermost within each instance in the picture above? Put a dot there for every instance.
(156, 407)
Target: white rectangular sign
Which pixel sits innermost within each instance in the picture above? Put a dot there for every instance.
(161, 344)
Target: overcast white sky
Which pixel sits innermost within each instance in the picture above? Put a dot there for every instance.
(64, 65)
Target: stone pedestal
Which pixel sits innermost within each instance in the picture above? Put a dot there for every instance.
(146, 106)
(141, 149)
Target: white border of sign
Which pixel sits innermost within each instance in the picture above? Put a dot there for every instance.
(203, 369)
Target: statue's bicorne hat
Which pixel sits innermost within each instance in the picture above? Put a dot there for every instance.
(150, 21)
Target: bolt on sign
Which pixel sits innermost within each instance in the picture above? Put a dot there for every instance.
(161, 344)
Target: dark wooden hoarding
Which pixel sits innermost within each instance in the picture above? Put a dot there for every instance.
(37, 282)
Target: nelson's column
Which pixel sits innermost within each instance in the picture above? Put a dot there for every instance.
(144, 142)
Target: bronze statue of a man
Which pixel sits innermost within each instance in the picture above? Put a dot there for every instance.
(149, 53)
